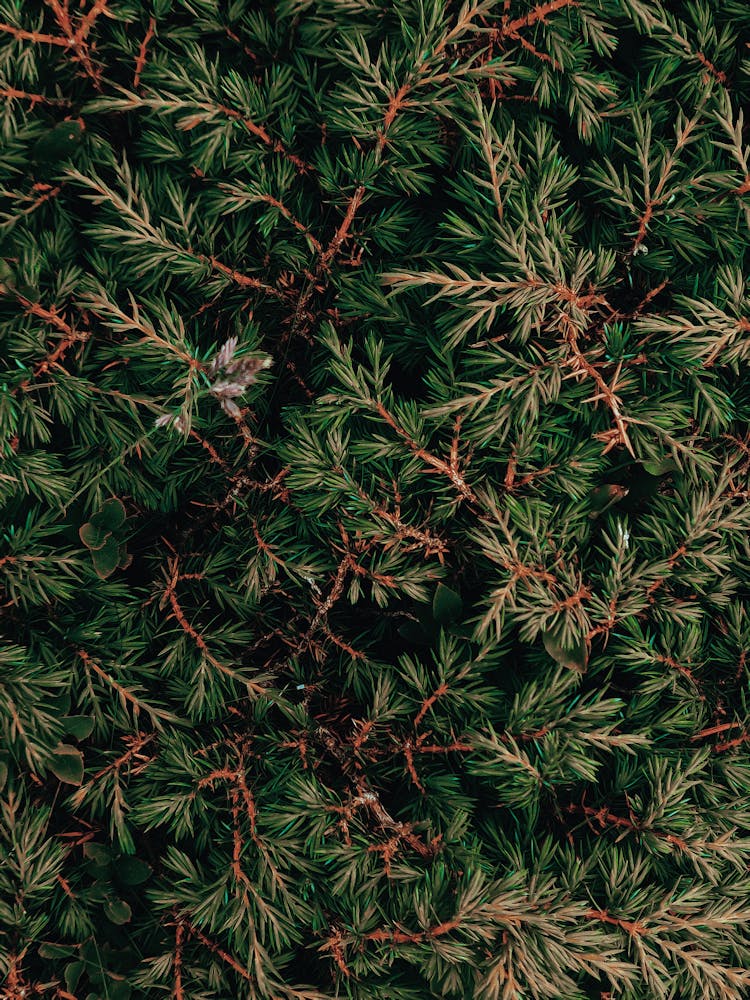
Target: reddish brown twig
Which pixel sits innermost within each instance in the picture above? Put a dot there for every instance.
(714, 730)
(398, 936)
(243, 280)
(335, 944)
(630, 927)
(133, 758)
(36, 37)
(13, 94)
(730, 744)
(170, 597)
(604, 818)
(300, 226)
(179, 938)
(76, 37)
(540, 13)
(125, 695)
(581, 366)
(217, 950)
(140, 61)
(260, 133)
(450, 469)
(427, 704)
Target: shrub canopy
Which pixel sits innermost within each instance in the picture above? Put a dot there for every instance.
(374, 480)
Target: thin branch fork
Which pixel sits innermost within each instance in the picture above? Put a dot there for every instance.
(135, 744)
(216, 949)
(179, 940)
(70, 336)
(539, 14)
(47, 193)
(126, 696)
(170, 597)
(630, 927)
(37, 37)
(655, 199)
(243, 280)
(420, 538)
(239, 791)
(398, 936)
(76, 37)
(260, 133)
(337, 940)
(581, 366)
(511, 31)
(450, 469)
(293, 220)
(302, 319)
(398, 100)
(343, 230)
(419, 745)
(604, 818)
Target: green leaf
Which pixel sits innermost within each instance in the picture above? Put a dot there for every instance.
(3, 773)
(660, 467)
(79, 726)
(100, 854)
(132, 871)
(573, 657)
(118, 989)
(7, 275)
(124, 558)
(60, 704)
(49, 950)
(118, 911)
(72, 974)
(105, 558)
(111, 516)
(67, 764)
(59, 143)
(92, 536)
(447, 605)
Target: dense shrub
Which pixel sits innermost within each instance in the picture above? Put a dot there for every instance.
(375, 465)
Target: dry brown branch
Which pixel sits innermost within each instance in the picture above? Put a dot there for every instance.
(140, 62)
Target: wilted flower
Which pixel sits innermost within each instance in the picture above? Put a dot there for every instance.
(176, 420)
(234, 377)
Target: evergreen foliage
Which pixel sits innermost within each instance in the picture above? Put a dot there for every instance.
(374, 475)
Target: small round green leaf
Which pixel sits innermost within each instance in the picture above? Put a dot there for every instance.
(47, 949)
(7, 275)
(72, 974)
(660, 467)
(132, 871)
(446, 605)
(79, 726)
(92, 536)
(59, 143)
(105, 559)
(573, 657)
(111, 516)
(100, 854)
(118, 989)
(413, 632)
(118, 911)
(66, 764)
